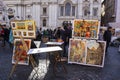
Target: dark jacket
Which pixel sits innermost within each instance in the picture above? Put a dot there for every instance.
(107, 36)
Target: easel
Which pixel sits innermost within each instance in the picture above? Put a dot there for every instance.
(30, 56)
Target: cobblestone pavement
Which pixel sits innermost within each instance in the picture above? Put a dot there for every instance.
(110, 71)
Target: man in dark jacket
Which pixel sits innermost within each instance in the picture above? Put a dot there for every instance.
(5, 35)
(107, 37)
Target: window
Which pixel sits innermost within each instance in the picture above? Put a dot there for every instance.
(44, 11)
(67, 9)
(86, 11)
(95, 0)
(95, 11)
(62, 11)
(44, 22)
(73, 10)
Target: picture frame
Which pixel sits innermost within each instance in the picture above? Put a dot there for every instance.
(87, 29)
(19, 49)
(77, 51)
(95, 54)
(13, 25)
(26, 27)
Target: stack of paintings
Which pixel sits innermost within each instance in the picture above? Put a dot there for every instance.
(87, 52)
(83, 47)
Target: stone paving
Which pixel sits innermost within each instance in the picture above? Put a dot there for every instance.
(111, 70)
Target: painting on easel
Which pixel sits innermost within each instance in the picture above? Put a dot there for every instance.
(26, 27)
(19, 53)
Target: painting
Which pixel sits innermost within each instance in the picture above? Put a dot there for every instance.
(13, 25)
(77, 51)
(19, 52)
(26, 27)
(87, 52)
(21, 25)
(86, 29)
(95, 52)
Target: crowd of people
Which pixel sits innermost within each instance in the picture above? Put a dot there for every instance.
(59, 34)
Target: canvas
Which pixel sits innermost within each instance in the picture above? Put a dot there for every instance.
(86, 29)
(19, 49)
(95, 53)
(77, 51)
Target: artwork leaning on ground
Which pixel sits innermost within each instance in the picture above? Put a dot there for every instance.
(87, 52)
(77, 51)
(86, 28)
(19, 52)
(26, 27)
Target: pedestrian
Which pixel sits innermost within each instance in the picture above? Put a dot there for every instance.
(100, 35)
(11, 38)
(5, 34)
(107, 37)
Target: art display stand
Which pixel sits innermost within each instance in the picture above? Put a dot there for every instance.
(34, 64)
(55, 50)
(84, 46)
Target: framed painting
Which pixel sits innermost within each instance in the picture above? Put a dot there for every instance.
(21, 25)
(86, 29)
(19, 52)
(77, 51)
(30, 25)
(13, 25)
(95, 53)
(26, 27)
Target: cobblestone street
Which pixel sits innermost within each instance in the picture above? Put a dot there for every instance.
(110, 71)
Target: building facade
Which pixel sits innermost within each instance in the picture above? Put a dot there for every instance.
(53, 13)
(111, 11)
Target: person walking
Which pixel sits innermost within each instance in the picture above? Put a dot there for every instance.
(107, 37)
(5, 34)
(100, 35)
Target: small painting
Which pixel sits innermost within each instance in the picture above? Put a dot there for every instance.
(13, 25)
